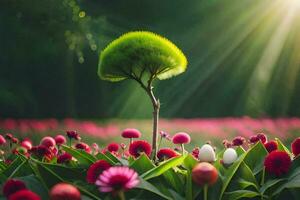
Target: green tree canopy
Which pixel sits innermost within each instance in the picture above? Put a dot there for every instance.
(141, 54)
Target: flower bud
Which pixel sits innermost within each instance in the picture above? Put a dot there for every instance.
(207, 153)
(204, 173)
(229, 156)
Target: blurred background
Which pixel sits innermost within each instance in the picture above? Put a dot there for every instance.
(244, 60)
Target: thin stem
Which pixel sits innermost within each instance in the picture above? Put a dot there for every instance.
(205, 190)
(182, 149)
(263, 176)
(130, 141)
(121, 195)
(70, 142)
(156, 106)
(159, 142)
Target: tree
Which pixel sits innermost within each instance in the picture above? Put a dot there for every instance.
(142, 56)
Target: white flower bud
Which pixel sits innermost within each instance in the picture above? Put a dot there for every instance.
(229, 156)
(207, 154)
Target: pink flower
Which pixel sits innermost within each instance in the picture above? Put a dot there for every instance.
(131, 133)
(48, 141)
(60, 139)
(83, 146)
(117, 179)
(181, 138)
(2, 140)
(26, 144)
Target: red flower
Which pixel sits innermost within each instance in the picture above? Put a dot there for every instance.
(181, 138)
(295, 146)
(64, 191)
(64, 158)
(43, 151)
(48, 141)
(15, 140)
(83, 146)
(115, 179)
(166, 153)
(131, 133)
(195, 152)
(138, 147)
(24, 195)
(60, 139)
(271, 146)
(253, 139)
(113, 147)
(2, 140)
(96, 169)
(11, 186)
(277, 162)
(73, 135)
(238, 141)
(262, 137)
(204, 173)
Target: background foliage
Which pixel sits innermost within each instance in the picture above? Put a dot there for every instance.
(244, 58)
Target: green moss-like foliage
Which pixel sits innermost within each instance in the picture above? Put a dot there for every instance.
(141, 54)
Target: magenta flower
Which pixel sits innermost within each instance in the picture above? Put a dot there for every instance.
(238, 141)
(113, 147)
(116, 179)
(64, 158)
(2, 140)
(131, 133)
(48, 141)
(73, 135)
(181, 138)
(60, 139)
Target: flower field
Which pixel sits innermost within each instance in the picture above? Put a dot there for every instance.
(200, 129)
(218, 159)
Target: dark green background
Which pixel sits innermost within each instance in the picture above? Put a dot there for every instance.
(49, 57)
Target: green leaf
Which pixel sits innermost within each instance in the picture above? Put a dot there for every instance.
(189, 162)
(34, 184)
(13, 169)
(101, 156)
(163, 167)
(239, 194)
(83, 157)
(142, 164)
(255, 157)
(270, 183)
(282, 147)
(51, 178)
(145, 185)
(249, 157)
(112, 157)
(174, 180)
